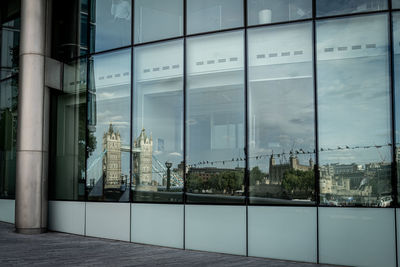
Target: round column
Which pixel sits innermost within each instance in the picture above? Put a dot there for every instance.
(31, 173)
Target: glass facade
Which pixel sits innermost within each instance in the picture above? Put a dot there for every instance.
(272, 11)
(68, 139)
(9, 57)
(355, 159)
(158, 19)
(224, 125)
(110, 24)
(109, 121)
(395, 4)
(157, 171)
(213, 15)
(339, 7)
(396, 79)
(69, 29)
(281, 114)
(215, 118)
(230, 110)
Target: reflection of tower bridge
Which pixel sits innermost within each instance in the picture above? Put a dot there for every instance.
(94, 171)
(158, 168)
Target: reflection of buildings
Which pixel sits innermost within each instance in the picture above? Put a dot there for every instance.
(352, 180)
(142, 162)
(276, 172)
(112, 159)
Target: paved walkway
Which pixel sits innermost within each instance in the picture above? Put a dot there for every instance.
(58, 249)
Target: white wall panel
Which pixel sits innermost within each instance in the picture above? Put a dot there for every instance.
(157, 224)
(7, 210)
(216, 228)
(357, 236)
(288, 233)
(67, 217)
(108, 220)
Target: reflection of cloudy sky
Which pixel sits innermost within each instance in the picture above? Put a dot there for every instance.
(215, 99)
(329, 7)
(113, 24)
(353, 87)
(282, 115)
(359, 156)
(281, 98)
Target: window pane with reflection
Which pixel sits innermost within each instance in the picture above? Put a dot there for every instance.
(110, 24)
(281, 115)
(68, 135)
(338, 7)
(108, 141)
(396, 59)
(354, 111)
(158, 123)
(158, 19)
(395, 3)
(215, 118)
(270, 11)
(9, 68)
(213, 15)
(8, 135)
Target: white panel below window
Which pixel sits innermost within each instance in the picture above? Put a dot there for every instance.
(7, 210)
(288, 233)
(108, 220)
(357, 236)
(67, 217)
(216, 228)
(157, 224)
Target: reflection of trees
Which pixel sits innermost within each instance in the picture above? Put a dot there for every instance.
(256, 176)
(299, 184)
(225, 182)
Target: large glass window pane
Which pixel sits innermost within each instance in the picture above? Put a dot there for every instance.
(109, 118)
(158, 123)
(69, 27)
(8, 135)
(9, 59)
(68, 136)
(338, 7)
(395, 3)
(354, 111)
(396, 59)
(9, 49)
(111, 24)
(215, 118)
(158, 19)
(281, 115)
(213, 15)
(270, 11)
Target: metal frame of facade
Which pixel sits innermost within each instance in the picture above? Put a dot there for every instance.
(244, 28)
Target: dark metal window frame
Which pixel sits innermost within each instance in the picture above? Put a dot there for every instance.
(244, 28)
(313, 20)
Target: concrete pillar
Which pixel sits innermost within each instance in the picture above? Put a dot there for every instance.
(32, 136)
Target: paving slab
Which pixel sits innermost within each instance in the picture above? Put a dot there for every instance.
(60, 249)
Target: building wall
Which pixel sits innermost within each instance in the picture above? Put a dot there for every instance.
(276, 128)
(344, 236)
